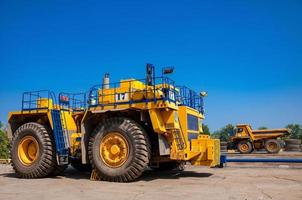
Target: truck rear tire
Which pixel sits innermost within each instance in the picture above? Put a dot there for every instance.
(245, 147)
(33, 151)
(272, 146)
(119, 150)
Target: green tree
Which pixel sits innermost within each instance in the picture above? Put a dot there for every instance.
(4, 143)
(262, 128)
(224, 133)
(295, 131)
(206, 129)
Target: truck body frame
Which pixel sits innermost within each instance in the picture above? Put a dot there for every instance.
(170, 115)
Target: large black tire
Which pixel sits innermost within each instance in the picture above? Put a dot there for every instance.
(45, 162)
(272, 146)
(245, 147)
(138, 150)
(173, 165)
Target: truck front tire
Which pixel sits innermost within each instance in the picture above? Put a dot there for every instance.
(245, 147)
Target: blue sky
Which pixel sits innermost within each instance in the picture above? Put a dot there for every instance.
(246, 54)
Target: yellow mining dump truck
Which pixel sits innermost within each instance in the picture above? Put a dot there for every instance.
(115, 129)
(246, 140)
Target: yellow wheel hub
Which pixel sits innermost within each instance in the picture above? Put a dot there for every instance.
(28, 150)
(244, 147)
(114, 150)
(272, 146)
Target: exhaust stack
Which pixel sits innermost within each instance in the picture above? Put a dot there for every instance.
(106, 81)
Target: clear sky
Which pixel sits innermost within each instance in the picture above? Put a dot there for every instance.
(246, 54)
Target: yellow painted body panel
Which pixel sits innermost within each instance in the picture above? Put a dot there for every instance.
(68, 121)
(209, 152)
(44, 103)
(18, 113)
(128, 90)
(138, 106)
(199, 151)
(170, 118)
(75, 144)
(157, 121)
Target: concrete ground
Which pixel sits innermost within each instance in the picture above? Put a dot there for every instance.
(237, 181)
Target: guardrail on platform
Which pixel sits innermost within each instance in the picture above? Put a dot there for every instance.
(224, 159)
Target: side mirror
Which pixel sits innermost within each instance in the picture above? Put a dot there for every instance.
(203, 94)
(168, 70)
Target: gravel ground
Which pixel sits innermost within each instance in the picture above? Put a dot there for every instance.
(243, 181)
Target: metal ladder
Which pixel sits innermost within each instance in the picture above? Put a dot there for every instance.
(181, 145)
(65, 129)
(60, 140)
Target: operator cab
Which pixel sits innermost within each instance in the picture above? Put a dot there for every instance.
(237, 131)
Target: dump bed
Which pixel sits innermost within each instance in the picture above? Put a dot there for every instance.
(270, 133)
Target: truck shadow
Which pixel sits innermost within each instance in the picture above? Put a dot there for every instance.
(148, 175)
(69, 173)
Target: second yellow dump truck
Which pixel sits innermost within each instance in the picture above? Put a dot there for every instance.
(116, 130)
(246, 140)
